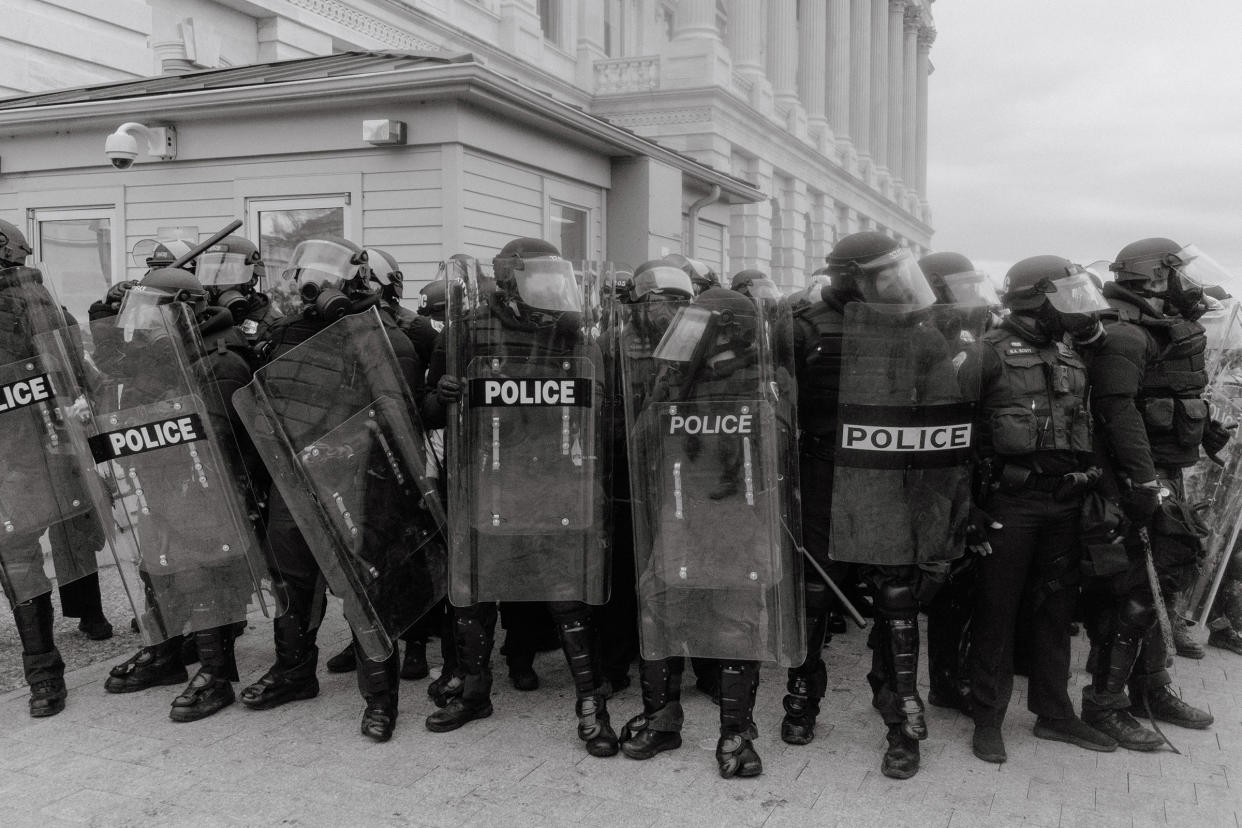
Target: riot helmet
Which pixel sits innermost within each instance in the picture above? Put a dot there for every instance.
(13, 245)
(332, 274)
(701, 276)
(719, 320)
(141, 305)
(657, 280)
(756, 285)
(432, 300)
(956, 281)
(1161, 267)
(386, 273)
(154, 254)
(229, 271)
(532, 273)
(875, 268)
(1062, 296)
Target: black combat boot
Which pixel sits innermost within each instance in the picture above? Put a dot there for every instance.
(343, 662)
(595, 727)
(379, 684)
(474, 702)
(736, 756)
(658, 727)
(805, 685)
(1104, 702)
(211, 689)
(292, 677)
(735, 751)
(901, 759)
(1166, 706)
(157, 666)
(41, 661)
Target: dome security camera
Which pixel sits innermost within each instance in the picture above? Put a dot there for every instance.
(121, 147)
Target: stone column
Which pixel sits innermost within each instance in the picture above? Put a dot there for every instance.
(590, 41)
(788, 232)
(879, 88)
(750, 225)
(813, 70)
(838, 63)
(860, 82)
(746, 37)
(696, 56)
(909, 97)
(783, 60)
(927, 36)
(896, 81)
(823, 222)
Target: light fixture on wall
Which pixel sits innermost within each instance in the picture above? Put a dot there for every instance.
(122, 145)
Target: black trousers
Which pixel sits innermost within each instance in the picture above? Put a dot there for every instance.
(1037, 546)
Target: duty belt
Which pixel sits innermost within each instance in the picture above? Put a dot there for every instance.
(1013, 477)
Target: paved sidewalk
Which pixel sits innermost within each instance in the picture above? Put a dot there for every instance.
(118, 760)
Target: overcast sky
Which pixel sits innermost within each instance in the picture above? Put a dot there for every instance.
(1074, 127)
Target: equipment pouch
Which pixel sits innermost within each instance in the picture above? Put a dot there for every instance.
(1158, 413)
(1100, 520)
(1103, 560)
(1014, 431)
(1177, 534)
(1190, 418)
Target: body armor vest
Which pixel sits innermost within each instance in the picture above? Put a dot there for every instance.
(1171, 394)
(1038, 402)
(820, 380)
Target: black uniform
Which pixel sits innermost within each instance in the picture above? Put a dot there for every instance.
(1147, 384)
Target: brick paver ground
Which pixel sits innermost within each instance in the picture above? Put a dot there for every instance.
(118, 760)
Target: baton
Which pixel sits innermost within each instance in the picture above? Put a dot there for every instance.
(832, 585)
(197, 249)
(1166, 628)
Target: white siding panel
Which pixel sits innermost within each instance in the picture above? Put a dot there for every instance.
(425, 217)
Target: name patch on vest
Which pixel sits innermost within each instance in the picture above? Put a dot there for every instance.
(571, 391)
(904, 437)
(1016, 351)
(24, 392)
(743, 424)
(112, 445)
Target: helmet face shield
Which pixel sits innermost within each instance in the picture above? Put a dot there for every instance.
(217, 267)
(763, 290)
(320, 260)
(153, 253)
(686, 336)
(664, 279)
(895, 279)
(1197, 269)
(1077, 293)
(971, 287)
(547, 283)
(140, 310)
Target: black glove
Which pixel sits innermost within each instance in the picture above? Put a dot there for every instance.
(116, 293)
(448, 389)
(977, 527)
(1215, 437)
(1076, 483)
(1140, 503)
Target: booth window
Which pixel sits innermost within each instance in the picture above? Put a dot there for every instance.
(76, 248)
(279, 224)
(569, 231)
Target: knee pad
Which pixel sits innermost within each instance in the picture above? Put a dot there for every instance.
(896, 599)
(1137, 611)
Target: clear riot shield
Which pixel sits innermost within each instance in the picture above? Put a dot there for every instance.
(337, 426)
(901, 491)
(41, 480)
(711, 459)
(1216, 487)
(527, 441)
(153, 426)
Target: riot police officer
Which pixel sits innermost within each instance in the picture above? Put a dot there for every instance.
(705, 449)
(1147, 382)
(221, 365)
(1034, 442)
(517, 337)
(334, 283)
(700, 273)
(233, 272)
(900, 477)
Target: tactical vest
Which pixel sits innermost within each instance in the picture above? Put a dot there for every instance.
(1171, 393)
(820, 380)
(1038, 402)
